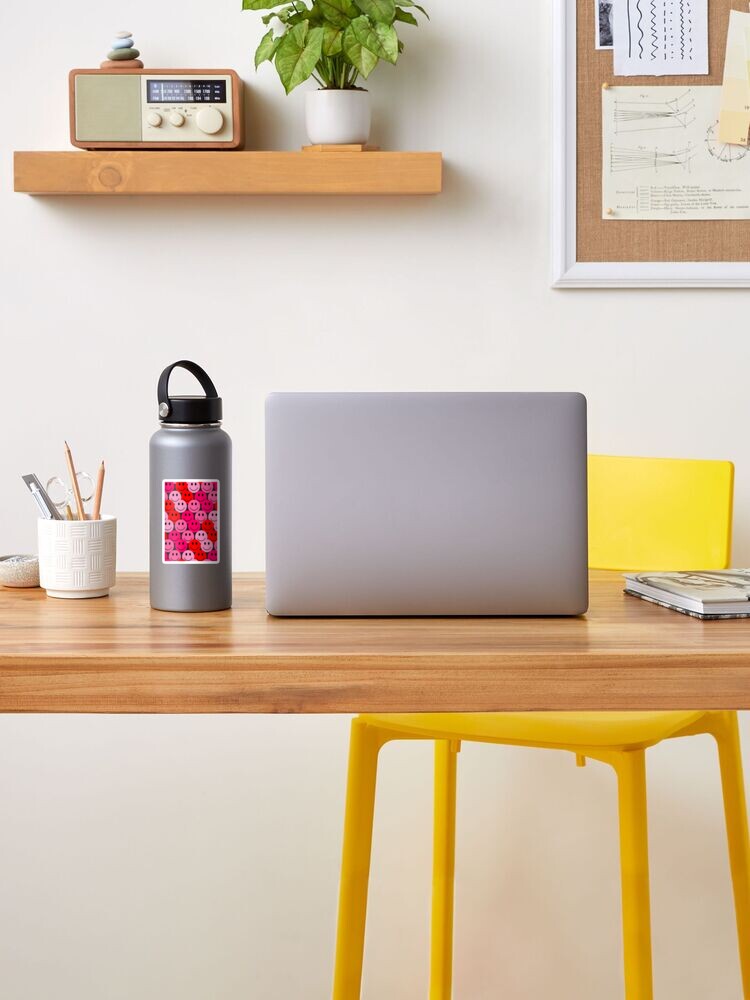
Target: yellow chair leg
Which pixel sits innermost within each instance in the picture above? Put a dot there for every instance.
(735, 809)
(443, 870)
(636, 907)
(364, 746)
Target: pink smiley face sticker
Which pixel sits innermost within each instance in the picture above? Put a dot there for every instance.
(174, 496)
(168, 525)
(174, 556)
(180, 526)
(180, 506)
(187, 536)
(168, 544)
(201, 535)
(206, 486)
(212, 556)
(188, 556)
(193, 505)
(200, 496)
(213, 496)
(200, 516)
(213, 515)
(207, 546)
(174, 535)
(180, 545)
(168, 487)
(193, 485)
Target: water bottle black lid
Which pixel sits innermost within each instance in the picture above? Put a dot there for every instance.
(188, 409)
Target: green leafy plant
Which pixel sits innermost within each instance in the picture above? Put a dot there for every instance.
(334, 41)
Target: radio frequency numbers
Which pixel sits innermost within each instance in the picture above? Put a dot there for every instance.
(186, 91)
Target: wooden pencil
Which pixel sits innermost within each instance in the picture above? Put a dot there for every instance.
(74, 483)
(96, 512)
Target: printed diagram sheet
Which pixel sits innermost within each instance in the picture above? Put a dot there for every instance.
(660, 37)
(734, 119)
(662, 157)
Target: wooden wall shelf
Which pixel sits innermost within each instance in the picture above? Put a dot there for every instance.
(120, 172)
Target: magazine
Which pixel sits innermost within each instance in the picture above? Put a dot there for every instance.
(705, 594)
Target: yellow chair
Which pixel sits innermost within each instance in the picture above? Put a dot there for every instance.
(644, 513)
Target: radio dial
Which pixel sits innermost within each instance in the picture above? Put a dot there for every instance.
(210, 120)
(154, 119)
(176, 119)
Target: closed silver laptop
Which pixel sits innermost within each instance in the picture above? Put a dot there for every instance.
(426, 503)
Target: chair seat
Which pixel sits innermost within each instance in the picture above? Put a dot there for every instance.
(570, 729)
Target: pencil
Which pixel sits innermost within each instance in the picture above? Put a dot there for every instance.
(74, 483)
(96, 513)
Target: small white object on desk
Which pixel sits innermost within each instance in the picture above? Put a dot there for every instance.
(77, 558)
(19, 571)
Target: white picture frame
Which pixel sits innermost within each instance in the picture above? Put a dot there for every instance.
(567, 270)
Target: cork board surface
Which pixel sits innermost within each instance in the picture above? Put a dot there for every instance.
(600, 239)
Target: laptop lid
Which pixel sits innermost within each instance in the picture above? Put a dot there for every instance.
(426, 504)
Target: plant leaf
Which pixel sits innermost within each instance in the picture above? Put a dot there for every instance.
(406, 17)
(410, 3)
(361, 58)
(297, 55)
(338, 12)
(383, 11)
(261, 4)
(380, 39)
(333, 40)
(267, 48)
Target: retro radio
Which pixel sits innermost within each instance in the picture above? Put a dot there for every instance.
(155, 109)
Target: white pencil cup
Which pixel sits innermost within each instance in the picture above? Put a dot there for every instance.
(77, 558)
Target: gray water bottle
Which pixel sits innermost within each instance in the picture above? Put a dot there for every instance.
(190, 500)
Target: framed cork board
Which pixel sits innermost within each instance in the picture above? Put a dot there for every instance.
(590, 249)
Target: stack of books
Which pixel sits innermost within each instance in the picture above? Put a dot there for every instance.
(706, 595)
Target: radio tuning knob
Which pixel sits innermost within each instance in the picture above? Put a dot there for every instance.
(176, 119)
(154, 119)
(210, 120)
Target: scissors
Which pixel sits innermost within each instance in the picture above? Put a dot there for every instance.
(62, 495)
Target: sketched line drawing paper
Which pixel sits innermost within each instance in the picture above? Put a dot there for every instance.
(734, 117)
(663, 158)
(660, 37)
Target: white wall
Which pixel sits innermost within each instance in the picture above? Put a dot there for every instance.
(198, 857)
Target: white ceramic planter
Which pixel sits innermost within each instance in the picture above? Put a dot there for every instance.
(334, 117)
(77, 558)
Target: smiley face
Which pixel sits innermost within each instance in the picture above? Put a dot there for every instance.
(201, 536)
(180, 506)
(194, 545)
(213, 496)
(174, 535)
(212, 556)
(168, 544)
(200, 556)
(180, 526)
(168, 525)
(206, 485)
(200, 496)
(200, 516)
(188, 556)
(174, 496)
(213, 516)
(180, 545)
(174, 556)
(168, 487)
(207, 546)
(193, 485)
(193, 506)
(188, 536)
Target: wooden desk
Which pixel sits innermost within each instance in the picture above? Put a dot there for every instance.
(117, 655)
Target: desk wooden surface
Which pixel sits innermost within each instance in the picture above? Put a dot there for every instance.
(117, 655)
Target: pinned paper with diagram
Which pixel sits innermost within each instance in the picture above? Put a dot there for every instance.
(660, 37)
(734, 117)
(663, 158)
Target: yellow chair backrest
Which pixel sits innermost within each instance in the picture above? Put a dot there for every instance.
(659, 513)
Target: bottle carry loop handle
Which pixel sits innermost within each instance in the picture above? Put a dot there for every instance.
(165, 402)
